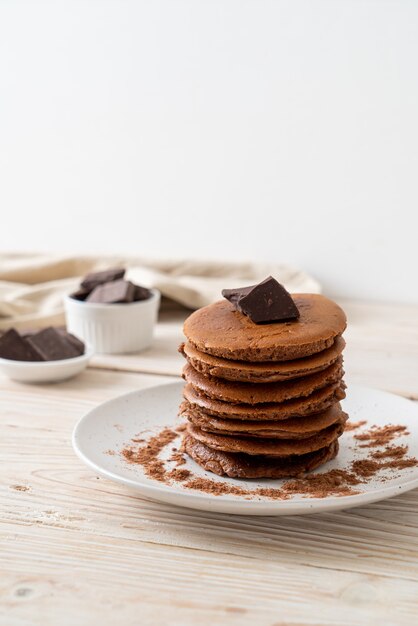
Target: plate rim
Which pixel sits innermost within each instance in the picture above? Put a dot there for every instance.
(260, 506)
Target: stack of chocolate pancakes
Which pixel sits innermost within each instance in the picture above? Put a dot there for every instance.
(263, 400)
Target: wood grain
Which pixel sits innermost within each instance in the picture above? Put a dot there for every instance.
(78, 549)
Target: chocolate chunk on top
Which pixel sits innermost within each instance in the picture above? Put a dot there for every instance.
(17, 348)
(264, 303)
(234, 295)
(53, 345)
(115, 292)
(94, 279)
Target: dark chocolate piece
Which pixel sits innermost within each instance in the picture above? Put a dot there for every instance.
(99, 278)
(53, 345)
(234, 295)
(17, 348)
(117, 291)
(75, 341)
(81, 294)
(141, 293)
(27, 332)
(264, 303)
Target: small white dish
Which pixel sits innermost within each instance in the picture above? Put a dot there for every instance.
(114, 328)
(46, 371)
(100, 436)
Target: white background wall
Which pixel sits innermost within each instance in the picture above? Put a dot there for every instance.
(273, 130)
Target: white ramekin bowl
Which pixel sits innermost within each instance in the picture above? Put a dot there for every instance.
(113, 328)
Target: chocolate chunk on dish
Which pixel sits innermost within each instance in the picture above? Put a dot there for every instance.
(17, 348)
(75, 341)
(53, 345)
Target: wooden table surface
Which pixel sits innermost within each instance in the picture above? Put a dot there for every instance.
(77, 549)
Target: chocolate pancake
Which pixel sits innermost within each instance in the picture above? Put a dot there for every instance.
(314, 403)
(261, 372)
(245, 466)
(293, 428)
(267, 447)
(221, 330)
(249, 393)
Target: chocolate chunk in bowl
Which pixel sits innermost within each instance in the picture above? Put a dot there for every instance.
(94, 279)
(114, 292)
(116, 316)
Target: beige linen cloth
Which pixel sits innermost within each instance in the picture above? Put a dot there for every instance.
(32, 286)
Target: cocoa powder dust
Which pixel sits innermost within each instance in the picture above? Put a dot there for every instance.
(336, 482)
(380, 435)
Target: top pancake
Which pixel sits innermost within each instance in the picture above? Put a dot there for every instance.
(221, 330)
(261, 372)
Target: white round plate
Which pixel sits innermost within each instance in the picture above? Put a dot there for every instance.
(100, 436)
(46, 371)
